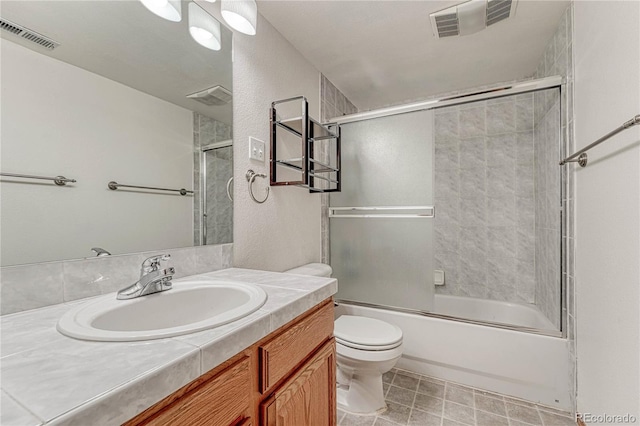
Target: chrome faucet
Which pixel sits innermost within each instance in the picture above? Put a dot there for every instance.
(152, 279)
(100, 252)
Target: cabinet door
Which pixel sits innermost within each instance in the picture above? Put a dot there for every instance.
(223, 400)
(308, 398)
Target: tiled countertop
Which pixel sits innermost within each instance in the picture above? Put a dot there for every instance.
(48, 378)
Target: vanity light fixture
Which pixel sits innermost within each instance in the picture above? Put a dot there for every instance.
(204, 29)
(167, 9)
(241, 15)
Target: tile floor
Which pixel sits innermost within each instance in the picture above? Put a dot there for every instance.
(418, 400)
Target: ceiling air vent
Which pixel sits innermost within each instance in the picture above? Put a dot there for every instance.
(470, 17)
(27, 34)
(214, 96)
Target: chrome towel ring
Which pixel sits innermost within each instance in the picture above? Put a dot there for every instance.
(251, 177)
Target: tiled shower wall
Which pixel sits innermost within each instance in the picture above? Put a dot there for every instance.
(484, 193)
(205, 132)
(333, 103)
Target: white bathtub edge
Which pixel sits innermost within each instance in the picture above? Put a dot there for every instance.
(523, 365)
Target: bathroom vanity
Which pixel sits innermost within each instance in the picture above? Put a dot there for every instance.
(275, 366)
(287, 378)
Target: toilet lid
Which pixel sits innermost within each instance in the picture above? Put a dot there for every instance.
(366, 333)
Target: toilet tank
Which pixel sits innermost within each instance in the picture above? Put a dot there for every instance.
(313, 269)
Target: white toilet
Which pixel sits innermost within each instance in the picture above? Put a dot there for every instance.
(366, 349)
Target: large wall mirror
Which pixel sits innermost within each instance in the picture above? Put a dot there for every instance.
(110, 102)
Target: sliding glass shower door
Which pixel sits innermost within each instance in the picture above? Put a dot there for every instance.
(381, 226)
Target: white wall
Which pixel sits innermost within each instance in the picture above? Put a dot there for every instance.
(607, 93)
(60, 119)
(284, 231)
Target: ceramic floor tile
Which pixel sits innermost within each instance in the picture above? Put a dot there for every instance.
(382, 422)
(487, 419)
(490, 405)
(513, 422)
(459, 413)
(396, 413)
(353, 420)
(554, 411)
(429, 403)
(401, 395)
(449, 422)
(432, 380)
(431, 389)
(407, 373)
(523, 414)
(385, 389)
(459, 394)
(438, 403)
(406, 382)
(550, 419)
(388, 376)
(422, 418)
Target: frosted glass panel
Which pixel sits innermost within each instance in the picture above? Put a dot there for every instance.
(386, 162)
(385, 262)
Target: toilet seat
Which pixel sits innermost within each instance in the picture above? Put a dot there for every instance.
(366, 334)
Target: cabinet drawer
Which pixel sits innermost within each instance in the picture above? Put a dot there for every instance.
(220, 401)
(280, 355)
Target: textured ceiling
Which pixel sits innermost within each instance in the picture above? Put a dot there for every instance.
(125, 42)
(384, 52)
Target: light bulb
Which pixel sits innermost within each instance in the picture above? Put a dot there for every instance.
(200, 33)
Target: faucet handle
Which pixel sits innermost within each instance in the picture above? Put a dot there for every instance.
(152, 263)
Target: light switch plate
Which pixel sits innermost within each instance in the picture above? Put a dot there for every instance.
(256, 149)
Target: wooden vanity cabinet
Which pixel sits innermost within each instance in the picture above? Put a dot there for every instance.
(305, 397)
(286, 379)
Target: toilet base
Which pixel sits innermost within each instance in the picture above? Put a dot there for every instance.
(362, 396)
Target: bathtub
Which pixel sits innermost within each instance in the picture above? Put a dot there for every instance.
(492, 311)
(525, 365)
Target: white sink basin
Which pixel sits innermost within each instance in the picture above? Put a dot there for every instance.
(188, 307)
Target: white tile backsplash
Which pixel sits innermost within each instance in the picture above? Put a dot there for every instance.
(37, 285)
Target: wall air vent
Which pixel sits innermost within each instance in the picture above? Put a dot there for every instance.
(214, 96)
(27, 34)
(470, 17)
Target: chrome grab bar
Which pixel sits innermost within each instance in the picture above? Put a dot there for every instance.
(113, 185)
(430, 212)
(58, 180)
(582, 154)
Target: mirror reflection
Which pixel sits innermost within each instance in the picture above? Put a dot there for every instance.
(103, 92)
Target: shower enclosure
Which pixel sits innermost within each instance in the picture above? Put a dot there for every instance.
(487, 165)
(217, 199)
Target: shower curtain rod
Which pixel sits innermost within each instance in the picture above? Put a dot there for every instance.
(582, 154)
(488, 93)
